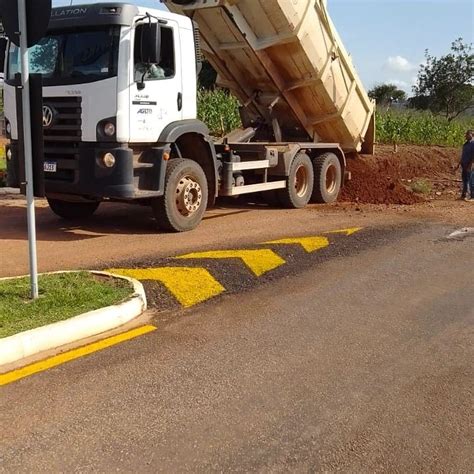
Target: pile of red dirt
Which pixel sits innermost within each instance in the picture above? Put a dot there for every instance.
(385, 177)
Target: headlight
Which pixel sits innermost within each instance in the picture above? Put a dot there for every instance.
(108, 160)
(8, 128)
(109, 129)
(9, 154)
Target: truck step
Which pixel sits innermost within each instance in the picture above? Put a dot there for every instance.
(143, 194)
(141, 166)
(250, 165)
(255, 188)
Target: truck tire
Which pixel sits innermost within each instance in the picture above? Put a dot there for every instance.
(184, 202)
(327, 178)
(73, 210)
(300, 183)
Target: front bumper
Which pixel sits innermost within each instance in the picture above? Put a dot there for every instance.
(83, 175)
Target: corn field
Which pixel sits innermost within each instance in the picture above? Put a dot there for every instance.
(416, 128)
(219, 110)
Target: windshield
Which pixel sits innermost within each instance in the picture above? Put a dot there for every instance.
(71, 57)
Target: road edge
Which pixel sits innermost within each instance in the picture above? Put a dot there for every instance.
(52, 336)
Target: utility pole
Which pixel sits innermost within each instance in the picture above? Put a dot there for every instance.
(30, 200)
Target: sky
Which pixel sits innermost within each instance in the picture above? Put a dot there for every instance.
(387, 39)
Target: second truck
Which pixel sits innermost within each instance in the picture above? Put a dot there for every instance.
(120, 106)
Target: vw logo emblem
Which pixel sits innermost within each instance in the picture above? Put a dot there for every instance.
(48, 116)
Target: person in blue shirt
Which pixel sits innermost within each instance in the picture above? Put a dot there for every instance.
(466, 164)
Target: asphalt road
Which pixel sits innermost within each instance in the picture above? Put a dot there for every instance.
(359, 362)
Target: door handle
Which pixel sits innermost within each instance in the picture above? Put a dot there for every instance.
(180, 101)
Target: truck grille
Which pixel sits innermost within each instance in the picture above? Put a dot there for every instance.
(63, 137)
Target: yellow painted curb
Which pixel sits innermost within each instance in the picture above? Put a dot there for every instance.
(68, 356)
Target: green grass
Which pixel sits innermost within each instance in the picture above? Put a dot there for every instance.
(3, 168)
(421, 186)
(62, 296)
(420, 128)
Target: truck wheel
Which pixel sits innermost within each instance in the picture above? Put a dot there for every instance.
(184, 202)
(73, 210)
(327, 178)
(300, 183)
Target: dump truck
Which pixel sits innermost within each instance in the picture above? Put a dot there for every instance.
(119, 87)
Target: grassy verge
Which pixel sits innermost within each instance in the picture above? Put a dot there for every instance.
(62, 296)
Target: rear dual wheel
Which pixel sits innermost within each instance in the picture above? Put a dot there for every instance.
(327, 178)
(300, 183)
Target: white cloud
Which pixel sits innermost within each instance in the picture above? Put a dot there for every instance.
(399, 64)
(399, 83)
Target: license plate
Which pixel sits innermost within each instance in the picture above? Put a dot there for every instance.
(50, 166)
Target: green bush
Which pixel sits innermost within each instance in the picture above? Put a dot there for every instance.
(417, 128)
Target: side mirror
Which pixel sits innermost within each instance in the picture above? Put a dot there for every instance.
(3, 52)
(150, 43)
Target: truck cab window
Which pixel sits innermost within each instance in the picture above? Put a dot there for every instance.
(71, 56)
(166, 67)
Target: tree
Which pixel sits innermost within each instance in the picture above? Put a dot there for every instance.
(446, 84)
(385, 94)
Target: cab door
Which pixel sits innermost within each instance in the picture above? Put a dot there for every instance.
(156, 92)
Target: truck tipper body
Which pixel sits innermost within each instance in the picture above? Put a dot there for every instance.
(285, 59)
(119, 91)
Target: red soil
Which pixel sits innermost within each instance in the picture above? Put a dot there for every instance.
(385, 178)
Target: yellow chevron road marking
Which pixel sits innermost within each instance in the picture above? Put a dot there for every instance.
(258, 261)
(310, 244)
(347, 232)
(68, 356)
(189, 286)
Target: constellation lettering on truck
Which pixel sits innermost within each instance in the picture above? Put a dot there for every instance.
(69, 12)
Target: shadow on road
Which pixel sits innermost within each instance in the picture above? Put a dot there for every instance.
(111, 219)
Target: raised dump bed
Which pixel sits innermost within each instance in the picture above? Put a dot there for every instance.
(286, 64)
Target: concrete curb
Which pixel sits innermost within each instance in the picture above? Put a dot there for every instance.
(52, 336)
(9, 191)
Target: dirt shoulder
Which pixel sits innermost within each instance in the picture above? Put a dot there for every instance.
(390, 178)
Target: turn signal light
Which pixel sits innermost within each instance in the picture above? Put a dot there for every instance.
(109, 129)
